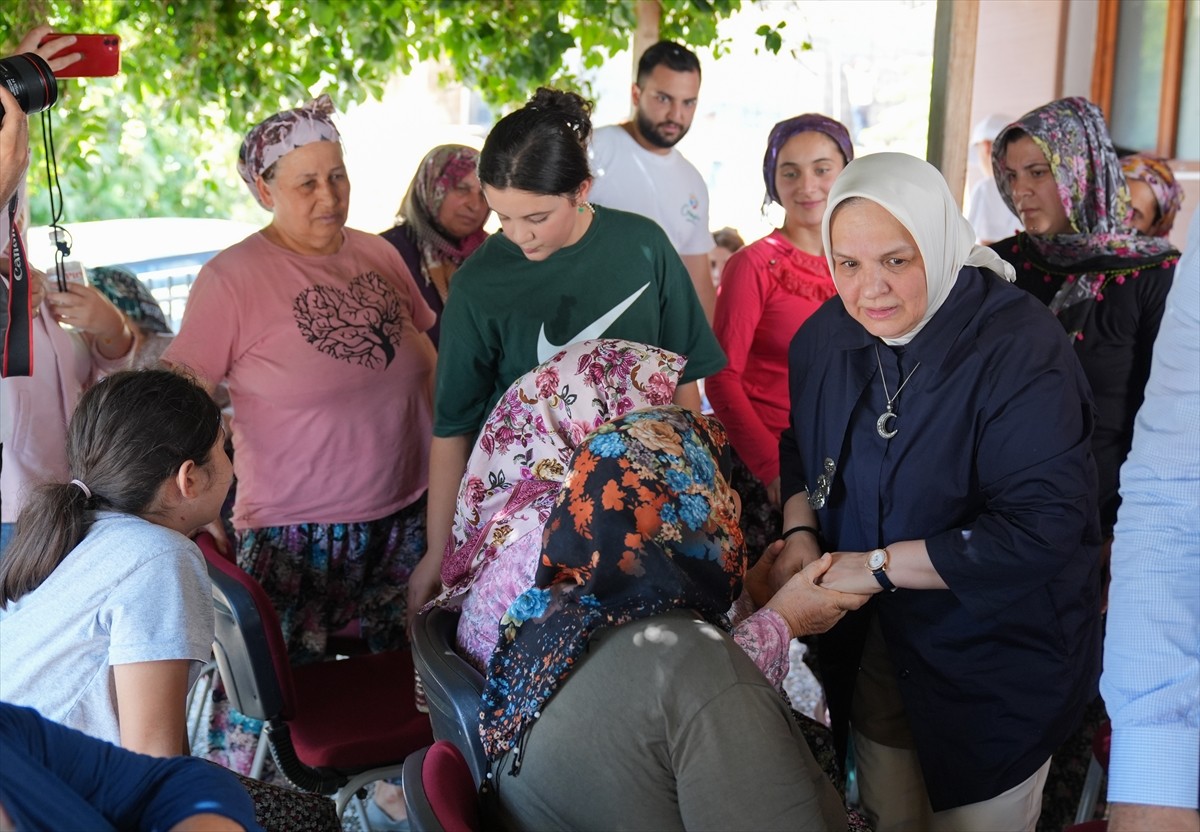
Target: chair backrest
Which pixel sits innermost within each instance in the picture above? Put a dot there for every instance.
(439, 792)
(248, 640)
(453, 688)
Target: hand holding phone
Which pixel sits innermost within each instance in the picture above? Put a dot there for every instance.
(99, 55)
(57, 54)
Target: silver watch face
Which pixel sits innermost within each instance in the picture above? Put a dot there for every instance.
(876, 559)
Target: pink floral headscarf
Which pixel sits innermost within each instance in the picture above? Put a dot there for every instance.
(517, 467)
(282, 133)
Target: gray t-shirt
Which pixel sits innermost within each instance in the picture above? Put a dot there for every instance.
(131, 591)
(666, 724)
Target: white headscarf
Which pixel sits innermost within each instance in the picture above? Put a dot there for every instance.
(914, 192)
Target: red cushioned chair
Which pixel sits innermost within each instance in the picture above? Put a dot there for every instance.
(333, 726)
(439, 791)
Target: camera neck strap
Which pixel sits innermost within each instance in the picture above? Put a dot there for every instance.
(18, 336)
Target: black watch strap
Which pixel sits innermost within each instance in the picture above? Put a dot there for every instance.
(884, 580)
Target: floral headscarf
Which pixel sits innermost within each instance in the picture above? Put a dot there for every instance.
(282, 133)
(519, 460)
(784, 130)
(1072, 135)
(439, 173)
(645, 523)
(1156, 173)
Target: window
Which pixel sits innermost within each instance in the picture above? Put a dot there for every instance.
(1146, 75)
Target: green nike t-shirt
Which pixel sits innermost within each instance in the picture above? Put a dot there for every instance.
(506, 314)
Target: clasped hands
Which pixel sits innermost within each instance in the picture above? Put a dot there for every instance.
(812, 591)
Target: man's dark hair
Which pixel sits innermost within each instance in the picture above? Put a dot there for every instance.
(674, 56)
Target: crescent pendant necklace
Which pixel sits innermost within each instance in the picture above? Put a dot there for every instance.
(888, 416)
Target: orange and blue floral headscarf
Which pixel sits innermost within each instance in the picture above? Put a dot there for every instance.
(1074, 138)
(1157, 174)
(645, 523)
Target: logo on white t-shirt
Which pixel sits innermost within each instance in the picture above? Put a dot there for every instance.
(691, 209)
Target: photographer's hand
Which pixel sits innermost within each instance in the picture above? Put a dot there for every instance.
(55, 47)
(14, 147)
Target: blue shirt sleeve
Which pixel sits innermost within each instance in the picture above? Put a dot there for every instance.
(56, 777)
(1151, 681)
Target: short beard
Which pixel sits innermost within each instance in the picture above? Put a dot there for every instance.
(647, 130)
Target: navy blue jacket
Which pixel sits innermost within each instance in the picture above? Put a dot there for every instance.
(992, 467)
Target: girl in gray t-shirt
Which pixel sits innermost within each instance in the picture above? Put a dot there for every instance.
(105, 604)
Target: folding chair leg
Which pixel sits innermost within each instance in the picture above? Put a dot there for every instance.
(198, 703)
(1091, 792)
(346, 792)
(260, 755)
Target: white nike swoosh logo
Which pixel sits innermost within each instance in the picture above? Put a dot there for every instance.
(546, 350)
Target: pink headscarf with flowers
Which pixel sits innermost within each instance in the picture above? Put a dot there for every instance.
(282, 133)
(519, 460)
(1157, 174)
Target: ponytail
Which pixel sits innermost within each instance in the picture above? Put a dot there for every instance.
(130, 433)
(53, 521)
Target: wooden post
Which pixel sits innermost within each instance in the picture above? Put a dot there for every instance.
(649, 16)
(1107, 21)
(1172, 83)
(955, 29)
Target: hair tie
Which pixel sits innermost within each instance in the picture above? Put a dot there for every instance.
(87, 492)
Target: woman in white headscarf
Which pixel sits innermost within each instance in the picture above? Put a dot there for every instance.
(940, 448)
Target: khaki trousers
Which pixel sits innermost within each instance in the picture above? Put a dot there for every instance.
(891, 786)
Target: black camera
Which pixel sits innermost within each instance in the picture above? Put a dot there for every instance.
(29, 79)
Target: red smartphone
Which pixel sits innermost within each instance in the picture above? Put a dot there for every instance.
(101, 55)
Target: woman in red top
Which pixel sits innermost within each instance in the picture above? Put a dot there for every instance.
(767, 290)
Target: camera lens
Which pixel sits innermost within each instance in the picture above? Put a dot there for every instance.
(29, 79)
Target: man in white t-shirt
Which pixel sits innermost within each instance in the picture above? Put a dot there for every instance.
(638, 169)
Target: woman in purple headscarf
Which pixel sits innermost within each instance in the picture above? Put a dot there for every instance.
(767, 290)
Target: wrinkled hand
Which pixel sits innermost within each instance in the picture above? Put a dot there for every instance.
(86, 309)
(424, 584)
(55, 47)
(14, 148)
(757, 582)
(849, 573)
(217, 529)
(1137, 817)
(798, 551)
(809, 608)
(775, 492)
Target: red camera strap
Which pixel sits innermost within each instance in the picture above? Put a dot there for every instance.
(18, 337)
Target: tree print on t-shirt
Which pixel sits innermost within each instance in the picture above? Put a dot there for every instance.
(361, 324)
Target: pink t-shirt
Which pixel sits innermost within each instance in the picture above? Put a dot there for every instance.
(329, 375)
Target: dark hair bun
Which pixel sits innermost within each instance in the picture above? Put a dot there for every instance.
(575, 110)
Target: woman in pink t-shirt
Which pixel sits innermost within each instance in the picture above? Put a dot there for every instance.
(318, 330)
(767, 290)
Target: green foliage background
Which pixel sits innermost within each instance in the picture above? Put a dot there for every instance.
(161, 138)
